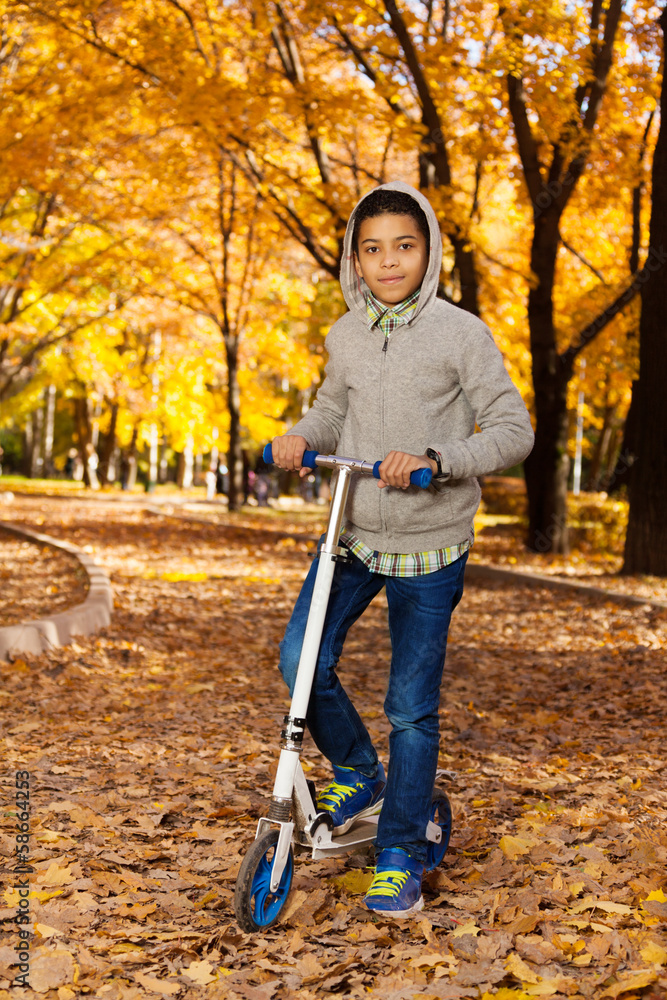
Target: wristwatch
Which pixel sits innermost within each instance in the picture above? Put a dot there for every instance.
(435, 457)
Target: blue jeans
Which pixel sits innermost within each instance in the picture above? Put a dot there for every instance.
(420, 609)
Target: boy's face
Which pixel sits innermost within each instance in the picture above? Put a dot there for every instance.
(391, 257)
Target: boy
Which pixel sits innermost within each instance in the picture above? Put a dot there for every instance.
(409, 375)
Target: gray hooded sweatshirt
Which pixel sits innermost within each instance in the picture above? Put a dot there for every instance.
(440, 375)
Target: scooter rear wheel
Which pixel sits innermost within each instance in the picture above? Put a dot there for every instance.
(441, 815)
(256, 907)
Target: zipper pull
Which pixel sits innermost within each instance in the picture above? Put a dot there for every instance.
(386, 344)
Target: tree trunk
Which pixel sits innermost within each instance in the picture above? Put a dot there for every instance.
(163, 463)
(612, 457)
(550, 187)
(234, 456)
(49, 427)
(128, 462)
(37, 463)
(547, 467)
(28, 447)
(598, 471)
(84, 434)
(107, 449)
(646, 539)
(620, 475)
(185, 465)
(623, 468)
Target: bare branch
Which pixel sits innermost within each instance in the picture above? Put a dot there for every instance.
(500, 263)
(49, 339)
(602, 60)
(95, 42)
(288, 50)
(193, 28)
(526, 142)
(602, 64)
(637, 192)
(365, 65)
(287, 216)
(430, 113)
(591, 331)
(580, 256)
(196, 251)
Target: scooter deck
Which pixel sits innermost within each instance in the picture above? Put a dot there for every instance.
(360, 833)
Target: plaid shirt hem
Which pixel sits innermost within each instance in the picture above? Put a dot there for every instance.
(400, 564)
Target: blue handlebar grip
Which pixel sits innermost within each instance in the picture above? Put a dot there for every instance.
(420, 477)
(308, 459)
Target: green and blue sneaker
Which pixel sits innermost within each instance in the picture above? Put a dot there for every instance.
(396, 889)
(351, 796)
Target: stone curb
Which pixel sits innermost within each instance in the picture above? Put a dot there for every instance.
(59, 630)
(478, 571)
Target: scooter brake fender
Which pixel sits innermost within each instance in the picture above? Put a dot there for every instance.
(281, 854)
(433, 832)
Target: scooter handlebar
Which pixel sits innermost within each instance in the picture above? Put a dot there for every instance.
(420, 477)
(308, 459)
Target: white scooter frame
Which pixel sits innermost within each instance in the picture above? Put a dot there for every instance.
(291, 793)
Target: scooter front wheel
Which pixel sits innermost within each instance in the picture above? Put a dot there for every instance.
(256, 907)
(441, 815)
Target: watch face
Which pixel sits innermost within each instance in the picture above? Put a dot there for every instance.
(433, 455)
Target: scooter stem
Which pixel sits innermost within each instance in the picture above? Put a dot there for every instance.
(329, 553)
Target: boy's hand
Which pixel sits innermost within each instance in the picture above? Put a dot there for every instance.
(397, 466)
(288, 452)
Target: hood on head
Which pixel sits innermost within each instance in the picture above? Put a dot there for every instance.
(354, 287)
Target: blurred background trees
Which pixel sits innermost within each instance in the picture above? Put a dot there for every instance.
(177, 175)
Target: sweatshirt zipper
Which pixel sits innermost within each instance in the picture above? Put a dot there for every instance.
(383, 520)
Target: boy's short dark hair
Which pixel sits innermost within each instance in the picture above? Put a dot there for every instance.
(391, 203)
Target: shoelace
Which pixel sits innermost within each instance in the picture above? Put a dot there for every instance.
(387, 883)
(336, 794)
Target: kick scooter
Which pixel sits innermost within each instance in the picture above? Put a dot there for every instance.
(265, 876)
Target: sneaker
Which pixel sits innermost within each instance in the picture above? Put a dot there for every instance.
(351, 796)
(396, 889)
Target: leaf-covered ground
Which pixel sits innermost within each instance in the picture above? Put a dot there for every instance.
(151, 746)
(36, 580)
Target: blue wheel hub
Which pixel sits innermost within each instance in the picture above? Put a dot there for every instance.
(264, 904)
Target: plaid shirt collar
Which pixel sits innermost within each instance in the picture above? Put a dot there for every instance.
(389, 318)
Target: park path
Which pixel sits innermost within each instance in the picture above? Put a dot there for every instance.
(150, 749)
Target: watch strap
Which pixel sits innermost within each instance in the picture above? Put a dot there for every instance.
(435, 457)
